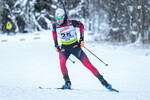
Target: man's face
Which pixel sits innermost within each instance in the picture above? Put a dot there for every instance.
(60, 21)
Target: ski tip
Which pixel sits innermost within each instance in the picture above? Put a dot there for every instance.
(116, 90)
(113, 90)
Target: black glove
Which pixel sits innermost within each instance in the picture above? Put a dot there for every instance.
(81, 42)
(57, 47)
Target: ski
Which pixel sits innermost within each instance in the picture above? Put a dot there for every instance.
(113, 90)
(55, 88)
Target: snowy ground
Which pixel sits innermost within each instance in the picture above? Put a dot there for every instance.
(29, 61)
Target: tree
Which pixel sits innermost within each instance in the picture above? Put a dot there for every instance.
(125, 21)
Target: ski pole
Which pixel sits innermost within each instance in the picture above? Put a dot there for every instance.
(71, 60)
(63, 3)
(95, 56)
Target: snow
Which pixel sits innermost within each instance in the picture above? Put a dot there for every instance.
(26, 65)
(115, 29)
(131, 8)
(71, 12)
(134, 32)
(89, 35)
(139, 7)
(54, 6)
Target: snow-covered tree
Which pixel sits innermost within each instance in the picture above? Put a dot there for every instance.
(125, 21)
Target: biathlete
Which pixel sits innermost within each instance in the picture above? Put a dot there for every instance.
(65, 30)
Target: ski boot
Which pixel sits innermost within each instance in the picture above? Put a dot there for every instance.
(105, 83)
(108, 86)
(67, 84)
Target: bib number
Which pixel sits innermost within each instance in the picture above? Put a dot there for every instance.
(65, 35)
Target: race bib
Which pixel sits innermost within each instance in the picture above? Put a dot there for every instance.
(66, 33)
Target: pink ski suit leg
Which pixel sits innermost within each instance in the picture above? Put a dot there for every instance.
(88, 65)
(63, 58)
(79, 53)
